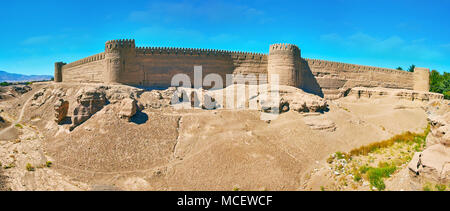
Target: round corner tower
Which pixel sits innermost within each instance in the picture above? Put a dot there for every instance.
(284, 61)
(58, 72)
(421, 79)
(116, 52)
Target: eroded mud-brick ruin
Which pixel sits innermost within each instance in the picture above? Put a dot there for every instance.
(124, 63)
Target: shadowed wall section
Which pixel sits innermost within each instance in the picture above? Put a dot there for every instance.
(335, 78)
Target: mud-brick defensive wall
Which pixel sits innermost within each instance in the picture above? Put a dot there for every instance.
(124, 63)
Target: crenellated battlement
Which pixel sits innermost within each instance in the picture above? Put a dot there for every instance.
(96, 57)
(194, 51)
(353, 67)
(283, 46)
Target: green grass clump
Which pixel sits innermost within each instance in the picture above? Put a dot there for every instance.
(376, 175)
(19, 126)
(437, 187)
(48, 164)
(363, 169)
(357, 177)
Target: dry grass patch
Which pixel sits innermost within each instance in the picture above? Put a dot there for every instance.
(371, 164)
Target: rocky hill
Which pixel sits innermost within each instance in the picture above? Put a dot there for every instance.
(14, 77)
(63, 136)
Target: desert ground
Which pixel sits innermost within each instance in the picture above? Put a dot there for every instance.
(117, 137)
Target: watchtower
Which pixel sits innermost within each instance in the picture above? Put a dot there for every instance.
(58, 71)
(421, 79)
(116, 52)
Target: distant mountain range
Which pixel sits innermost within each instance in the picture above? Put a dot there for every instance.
(14, 77)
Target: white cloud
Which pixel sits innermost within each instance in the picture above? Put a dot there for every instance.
(446, 46)
(37, 40)
(382, 47)
(138, 15)
(215, 11)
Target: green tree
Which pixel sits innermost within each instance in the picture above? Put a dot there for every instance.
(399, 68)
(411, 68)
(4, 84)
(440, 83)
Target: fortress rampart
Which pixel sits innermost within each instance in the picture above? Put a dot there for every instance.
(124, 63)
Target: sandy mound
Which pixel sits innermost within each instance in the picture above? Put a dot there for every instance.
(433, 164)
(4, 123)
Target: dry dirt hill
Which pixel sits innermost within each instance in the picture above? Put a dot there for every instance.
(117, 137)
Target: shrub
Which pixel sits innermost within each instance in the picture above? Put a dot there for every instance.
(440, 187)
(330, 159)
(48, 164)
(411, 68)
(29, 167)
(357, 177)
(427, 188)
(440, 83)
(340, 155)
(363, 169)
(447, 95)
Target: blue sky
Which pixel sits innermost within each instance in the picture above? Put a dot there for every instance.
(384, 33)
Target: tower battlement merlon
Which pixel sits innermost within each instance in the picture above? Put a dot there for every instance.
(121, 43)
(285, 48)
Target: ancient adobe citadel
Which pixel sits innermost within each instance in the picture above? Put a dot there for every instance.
(124, 63)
